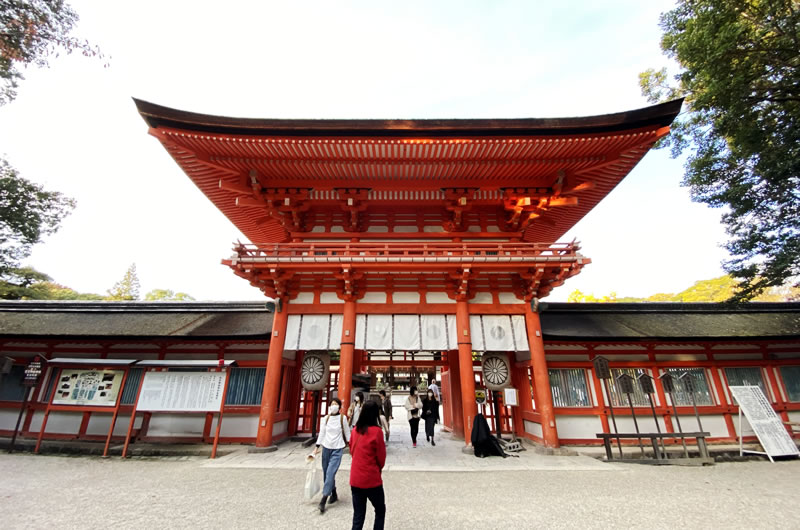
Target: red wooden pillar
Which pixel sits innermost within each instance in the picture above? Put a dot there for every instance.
(455, 394)
(272, 378)
(544, 399)
(466, 376)
(347, 352)
(519, 378)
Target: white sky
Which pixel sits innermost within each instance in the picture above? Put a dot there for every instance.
(75, 129)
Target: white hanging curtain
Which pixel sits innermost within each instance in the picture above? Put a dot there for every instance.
(498, 333)
(435, 333)
(313, 332)
(406, 333)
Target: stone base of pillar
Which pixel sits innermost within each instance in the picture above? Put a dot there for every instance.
(268, 449)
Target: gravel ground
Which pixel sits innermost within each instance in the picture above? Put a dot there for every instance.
(81, 492)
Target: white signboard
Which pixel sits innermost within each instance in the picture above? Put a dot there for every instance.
(182, 391)
(765, 421)
(88, 387)
(510, 397)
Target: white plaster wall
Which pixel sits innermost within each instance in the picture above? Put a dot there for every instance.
(714, 424)
(303, 298)
(509, 298)
(482, 298)
(374, 298)
(8, 418)
(578, 426)
(99, 424)
(330, 298)
(793, 415)
(59, 422)
(406, 298)
(533, 428)
(236, 425)
(162, 424)
(438, 298)
(279, 428)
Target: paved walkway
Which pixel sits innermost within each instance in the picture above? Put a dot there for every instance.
(402, 456)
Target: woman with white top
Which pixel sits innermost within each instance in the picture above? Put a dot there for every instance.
(333, 436)
(355, 408)
(413, 405)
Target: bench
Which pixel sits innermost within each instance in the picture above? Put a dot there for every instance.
(654, 438)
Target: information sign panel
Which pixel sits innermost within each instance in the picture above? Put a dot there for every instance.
(182, 391)
(88, 387)
(765, 421)
(510, 397)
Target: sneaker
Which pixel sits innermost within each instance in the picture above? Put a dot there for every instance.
(415, 444)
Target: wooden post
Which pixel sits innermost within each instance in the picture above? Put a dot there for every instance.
(272, 378)
(544, 399)
(116, 412)
(455, 394)
(346, 353)
(133, 415)
(221, 411)
(47, 412)
(466, 375)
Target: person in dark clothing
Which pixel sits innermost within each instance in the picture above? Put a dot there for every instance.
(430, 413)
(483, 442)
(413, 405)
(386, 413)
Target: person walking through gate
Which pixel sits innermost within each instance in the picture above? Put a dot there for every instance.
(430, 413)
(368, 454)
(413, 406)
(435, 389)
(385, 412)
(355, 408)
(333, 436)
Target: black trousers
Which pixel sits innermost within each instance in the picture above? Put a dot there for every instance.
(376, 498)
(429, 423)
(414, 423)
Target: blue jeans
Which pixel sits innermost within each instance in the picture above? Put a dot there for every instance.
(331, 458)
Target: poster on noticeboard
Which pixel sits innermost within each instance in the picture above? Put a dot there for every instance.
(88, 387)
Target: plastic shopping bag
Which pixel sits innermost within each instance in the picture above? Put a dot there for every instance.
(313, 480)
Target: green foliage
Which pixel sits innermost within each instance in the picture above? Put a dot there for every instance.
(27, 283)
(720, 289)
(27, 214)
(31, 32)
(167, 295)
(740, 73)
(127, 288)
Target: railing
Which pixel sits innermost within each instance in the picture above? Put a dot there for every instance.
(407, 252)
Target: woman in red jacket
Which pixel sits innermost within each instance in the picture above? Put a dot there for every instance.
(368, 454)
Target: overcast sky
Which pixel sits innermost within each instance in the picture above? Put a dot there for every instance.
(75, 129)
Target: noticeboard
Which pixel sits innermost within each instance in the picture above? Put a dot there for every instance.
(182, 391)
(765, 421)
(88, 387)
(510, 397)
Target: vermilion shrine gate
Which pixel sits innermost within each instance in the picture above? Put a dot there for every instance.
(408, 243)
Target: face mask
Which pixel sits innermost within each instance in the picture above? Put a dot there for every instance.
(334, 409)
(430, 395)
(358, 399)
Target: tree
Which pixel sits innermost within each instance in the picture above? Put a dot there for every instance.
(27, 213)
(740, 74)
(27, 283)
(32, 31)
(167, 295)
(127, 288)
